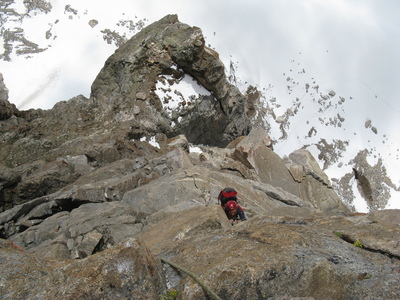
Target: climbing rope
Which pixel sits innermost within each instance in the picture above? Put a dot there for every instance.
(201, 283)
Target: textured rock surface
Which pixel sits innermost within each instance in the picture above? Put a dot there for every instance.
(126, 86)
(286, 253)
(6, 108)
(126, 271)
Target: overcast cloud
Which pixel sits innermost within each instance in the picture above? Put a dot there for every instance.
(350, 46)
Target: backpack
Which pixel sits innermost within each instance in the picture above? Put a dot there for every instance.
(227, 194)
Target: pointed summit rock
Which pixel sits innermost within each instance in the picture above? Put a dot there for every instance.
(126, 90)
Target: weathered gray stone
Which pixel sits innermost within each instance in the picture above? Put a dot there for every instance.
(43, 179)
(127, 271)
(105, 184)
(78, 193)
(279, 194)
(254, 152)
(177, 191)
(304, 158)
(79, 163)
(87, 229)
(88, 244)
(8, 178)
(274, 257)
(179, 141)
(155, 51)
(297, 171)
(305, 180)
(6, 108)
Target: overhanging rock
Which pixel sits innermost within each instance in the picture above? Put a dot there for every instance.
(125, 90)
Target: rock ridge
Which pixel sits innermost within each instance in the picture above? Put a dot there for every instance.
(94, 191)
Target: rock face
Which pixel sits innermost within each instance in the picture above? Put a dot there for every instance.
(94, 193)
(127, 271)
(283, 254)
(6, 108)
(126, 85)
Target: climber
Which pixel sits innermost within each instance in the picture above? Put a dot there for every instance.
(234, 212)
(227, 194)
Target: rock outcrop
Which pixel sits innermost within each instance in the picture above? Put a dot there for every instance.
(6, 108)
(95, 192)
(126, 86)
(127, 271)
(287, 253)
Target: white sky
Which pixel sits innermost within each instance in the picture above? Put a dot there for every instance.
(349, 46)
(172, 96)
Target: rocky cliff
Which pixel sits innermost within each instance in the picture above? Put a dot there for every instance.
(97, 194)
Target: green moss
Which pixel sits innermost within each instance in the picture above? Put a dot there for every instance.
(339, 234)
(358, 244)
(171, 294)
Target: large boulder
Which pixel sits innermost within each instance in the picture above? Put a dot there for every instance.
(300, 175)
